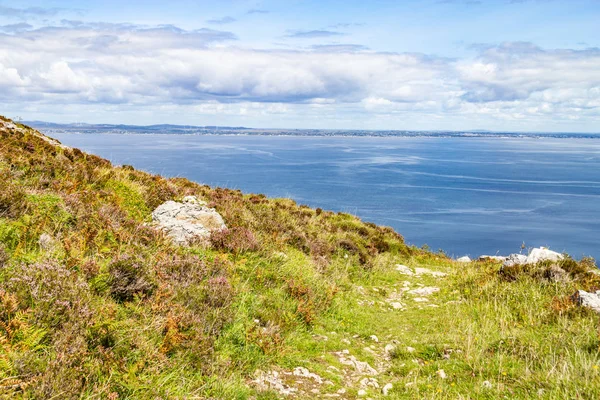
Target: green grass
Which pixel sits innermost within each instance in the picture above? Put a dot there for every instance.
(113, 310)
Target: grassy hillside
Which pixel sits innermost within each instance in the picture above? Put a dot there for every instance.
(96, 303)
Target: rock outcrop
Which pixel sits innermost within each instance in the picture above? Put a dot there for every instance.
(543, 254)
(515, 259)
(464, 259)
(187, 222)
(535, 256)
(586, 299)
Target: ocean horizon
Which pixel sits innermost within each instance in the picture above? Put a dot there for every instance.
(462, 195)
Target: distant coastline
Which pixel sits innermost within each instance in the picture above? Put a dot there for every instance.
(79, 128)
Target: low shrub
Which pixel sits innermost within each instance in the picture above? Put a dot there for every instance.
(129, 277)
(236, 240)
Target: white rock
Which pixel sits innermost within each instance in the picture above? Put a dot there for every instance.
(425, 271)
(365, 383)
(46, 242)
(586, 299)
(374, 338)
(362, 367)
(386, 389)
(486, 384)
(425, 291)
(187, 221)
(389, 349)
(543, 254)
(403, 269)
(441, 373)
(410, 349)
(464, 259)
(397, 305)
(361, 392)
(515, 259)
(193, 200)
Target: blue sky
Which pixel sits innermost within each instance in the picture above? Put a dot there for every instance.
(525, 65)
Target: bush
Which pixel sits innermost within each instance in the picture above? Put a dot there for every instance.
(129, 277)
(55, 293)
(236, 240)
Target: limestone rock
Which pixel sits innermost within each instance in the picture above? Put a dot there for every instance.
(403, 269)
(515, 259)
(464, 259)
(543, 254)
(188, 221)
(425, 271)
(425, 291)
(46, 242)
(386, 389)
(587, 299)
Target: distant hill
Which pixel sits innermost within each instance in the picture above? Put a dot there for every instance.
(82, 128)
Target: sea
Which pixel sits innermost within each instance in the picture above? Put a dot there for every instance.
(461, 195)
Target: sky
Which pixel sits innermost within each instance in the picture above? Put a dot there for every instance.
(502, 65)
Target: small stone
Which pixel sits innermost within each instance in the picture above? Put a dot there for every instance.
(369, 382)
(396, 305)
(487, 384)
(441, 373)
(425, 291)
(386, 389)
(374, 338)
(46, 242)
(426, 271)
(410, 349)
(361, 393)
(403, 269)
(193, 200)
(301, 371)
(389, 349)
(464, 259)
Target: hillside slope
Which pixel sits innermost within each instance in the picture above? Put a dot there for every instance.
(289, 301)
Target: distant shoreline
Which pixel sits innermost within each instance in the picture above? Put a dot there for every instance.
(85, 129)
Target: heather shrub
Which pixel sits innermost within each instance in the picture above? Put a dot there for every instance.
(13, 199)
(129, 277)
(218, 291)
(56, 294)
(236, 240)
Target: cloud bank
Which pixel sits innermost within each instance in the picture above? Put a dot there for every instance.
(158, 67)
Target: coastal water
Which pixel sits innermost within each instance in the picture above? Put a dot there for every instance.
(462, 195)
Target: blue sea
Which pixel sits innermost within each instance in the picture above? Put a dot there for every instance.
(466, 196)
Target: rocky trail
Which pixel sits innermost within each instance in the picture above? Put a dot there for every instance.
(366, 373)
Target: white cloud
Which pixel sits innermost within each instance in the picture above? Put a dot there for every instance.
(83, 64)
